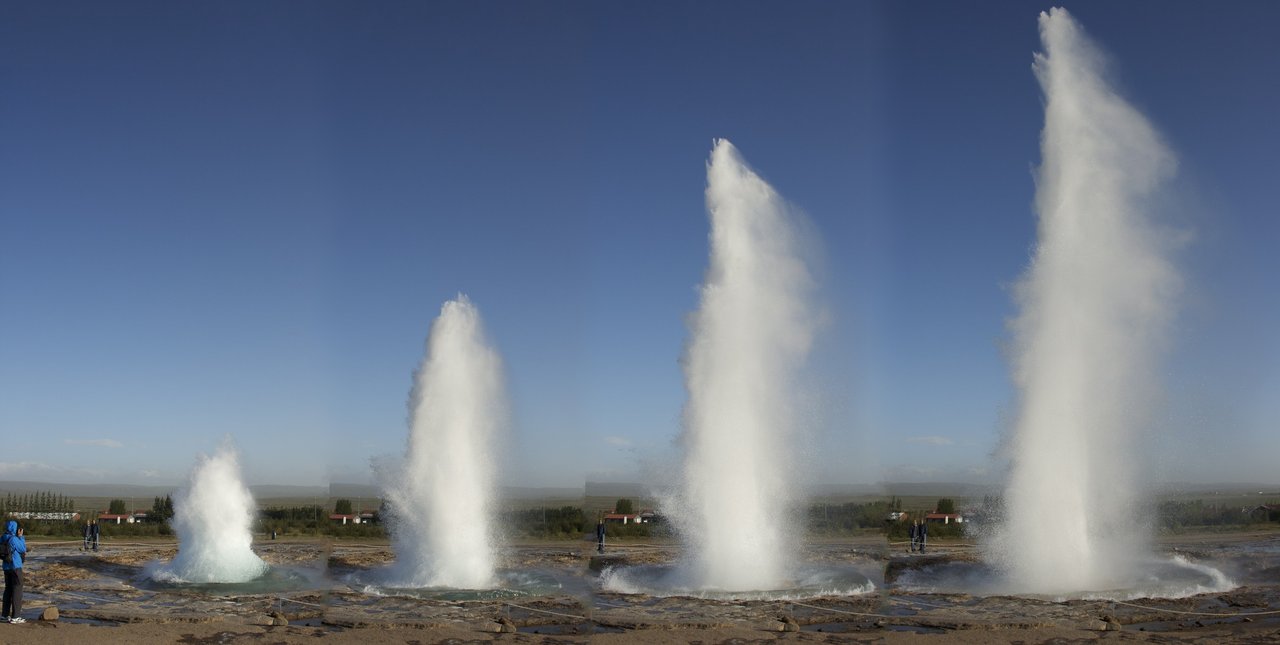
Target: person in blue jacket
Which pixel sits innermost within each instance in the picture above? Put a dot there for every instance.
(13, 573)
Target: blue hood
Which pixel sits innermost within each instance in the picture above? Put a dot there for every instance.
(11, 527)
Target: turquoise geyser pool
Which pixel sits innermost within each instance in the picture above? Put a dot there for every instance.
(515, 583)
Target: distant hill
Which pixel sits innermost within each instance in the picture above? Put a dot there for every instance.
(142, 494)
(530, 493)
(1222, 488)
(615, 489)
(87, 490)
(937, 489)
(340, 490)
(135, 491)
(277, 491)
(844, 490)
(941, 489)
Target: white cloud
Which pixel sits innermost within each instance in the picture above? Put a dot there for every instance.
(37, 471)
(13, 468)
(102, 443)
(621, 442)
(931, 440)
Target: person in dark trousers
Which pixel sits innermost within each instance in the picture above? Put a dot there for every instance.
(94, 532)
(600, 536)
(912, 531)
(88, 535)
(923, 534)
(17, 547)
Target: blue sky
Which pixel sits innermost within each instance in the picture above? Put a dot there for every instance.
(241, 218)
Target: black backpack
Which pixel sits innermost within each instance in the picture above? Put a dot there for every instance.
(6, 553)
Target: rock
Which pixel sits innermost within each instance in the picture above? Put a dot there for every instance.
(49, 613)
(278, 619)
(505, 626)
(601, 562)
(789, 624)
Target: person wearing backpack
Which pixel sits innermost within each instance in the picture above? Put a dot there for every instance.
(13, 547)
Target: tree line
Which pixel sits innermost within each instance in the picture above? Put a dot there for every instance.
(1175, 516)
(573, 521)
(40, 502)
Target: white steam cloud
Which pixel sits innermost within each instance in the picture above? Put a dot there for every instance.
(1095, 303)
(213, 517)
(443, 497)
(750, 337)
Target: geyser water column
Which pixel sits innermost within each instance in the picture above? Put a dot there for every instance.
(213, 517)
(749, 338)
(442, 499)
(1095, 304)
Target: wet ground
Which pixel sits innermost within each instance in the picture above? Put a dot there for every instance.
(557, 591)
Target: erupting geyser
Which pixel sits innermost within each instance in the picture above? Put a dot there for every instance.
(442, 498)
(750, 336)
(1095, 305)
(213, 517)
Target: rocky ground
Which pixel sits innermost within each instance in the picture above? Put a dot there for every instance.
(106, 597)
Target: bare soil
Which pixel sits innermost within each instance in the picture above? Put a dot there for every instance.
(104, 597)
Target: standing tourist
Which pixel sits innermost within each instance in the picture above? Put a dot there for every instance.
(14, 548)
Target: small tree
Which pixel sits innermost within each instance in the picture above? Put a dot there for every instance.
(342, 507)
(117, 507)
(624, 507)
(162, 508)
(946, 505)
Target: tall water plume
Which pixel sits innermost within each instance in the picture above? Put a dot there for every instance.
(442, 498)
(1095, 304)
(749, 338)
(213, 516)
